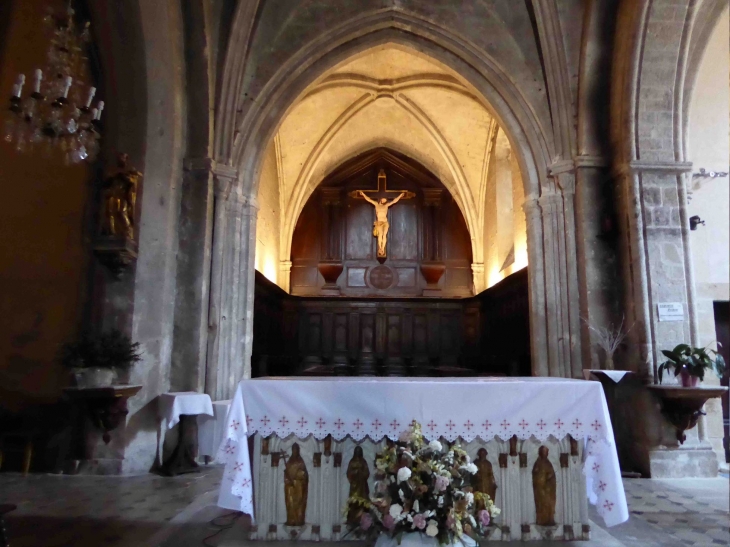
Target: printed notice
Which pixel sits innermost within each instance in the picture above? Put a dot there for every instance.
(670, 311)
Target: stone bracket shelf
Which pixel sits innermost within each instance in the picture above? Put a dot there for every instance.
(682, 406)
(106, 407)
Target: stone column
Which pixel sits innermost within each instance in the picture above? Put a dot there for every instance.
(538, 312)
(477, 271)
(285, 275)
(657, 258)
(230, 314)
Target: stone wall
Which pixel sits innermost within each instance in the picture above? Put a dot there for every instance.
(268, 220)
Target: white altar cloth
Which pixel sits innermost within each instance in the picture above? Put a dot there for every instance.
(173, 405)
(445, 407)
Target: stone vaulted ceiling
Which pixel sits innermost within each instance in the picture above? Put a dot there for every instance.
(389, 96)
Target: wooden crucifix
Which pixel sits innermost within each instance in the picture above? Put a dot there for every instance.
(381, 204)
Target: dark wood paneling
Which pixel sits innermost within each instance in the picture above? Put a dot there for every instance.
(428, 227)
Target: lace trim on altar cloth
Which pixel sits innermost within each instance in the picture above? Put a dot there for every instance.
(376, 431)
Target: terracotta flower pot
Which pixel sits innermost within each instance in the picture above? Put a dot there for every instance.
(687, 379)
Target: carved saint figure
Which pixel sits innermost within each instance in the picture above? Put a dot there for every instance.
(119, 199)
(381, 225)
(543, 488)
(358, 473)
(484, 478)
(296, 486)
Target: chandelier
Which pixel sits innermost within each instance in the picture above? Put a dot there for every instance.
(57, 112)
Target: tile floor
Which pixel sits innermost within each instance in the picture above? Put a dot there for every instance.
(152, 511)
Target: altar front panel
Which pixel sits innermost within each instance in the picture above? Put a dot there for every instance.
(327, 461)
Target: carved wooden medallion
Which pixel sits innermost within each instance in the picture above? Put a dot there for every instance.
(382, 277)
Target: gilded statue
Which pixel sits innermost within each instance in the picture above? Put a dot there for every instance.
(543, 488)
(119, 199)
(296, 486)
(381, 224)
(484, 478)
(358, 473)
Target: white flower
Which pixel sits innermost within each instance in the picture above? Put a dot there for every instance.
(435, 446)
(395, 510)
(495, 511)
(432, 529)
(440, 501)
(404, 474)
(416, 506)
(469, 498)
(470, 468)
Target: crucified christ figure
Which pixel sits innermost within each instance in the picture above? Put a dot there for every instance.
(381, 225)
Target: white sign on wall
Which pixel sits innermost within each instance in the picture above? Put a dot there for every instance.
(670, 311)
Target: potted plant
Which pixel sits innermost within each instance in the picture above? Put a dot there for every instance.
(95, 358)
(690, 363)
(608, 339)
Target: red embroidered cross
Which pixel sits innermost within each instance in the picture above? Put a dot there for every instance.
(596, 467)
(504, 424)
(450, 425)
(487, 424)
(559, 423)
(339, 423)
(602, 486)
(235, 424)
(320, 423)
(283, 421)
(376, 424)
(238, 467)
(358, 424)
(577, 424)
(249, 419)
(302, 422)
(246, 483)
(265, 420)
(595, 425)
(541, 424)
(523, 424)
(394, 425)
(608, 505)
(431, 425)
(468, 425)
(230, 449)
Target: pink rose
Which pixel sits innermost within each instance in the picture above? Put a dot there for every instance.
(484, 517)
(366, 521)
(442, 483)
(419, 521)
(450, 522)
(388, 522)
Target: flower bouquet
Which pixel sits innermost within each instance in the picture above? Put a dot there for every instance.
(422, 488)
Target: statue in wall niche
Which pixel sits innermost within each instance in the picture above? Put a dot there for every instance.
(119, 198)
(358, 473)
(484, 478)
(296, 487)
(544, 489)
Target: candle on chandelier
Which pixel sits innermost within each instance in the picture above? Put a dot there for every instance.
(67, 86)
(19, 84)
(92, 92)
(38, 76)
(99, 110)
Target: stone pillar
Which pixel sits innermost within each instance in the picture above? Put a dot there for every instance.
(477, 271)
(230, 314)
(285, 275)
(538, 312)
(657, 259)
(190, 334)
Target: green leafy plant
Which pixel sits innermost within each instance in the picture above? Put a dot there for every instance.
(694, 360)
(112, 349)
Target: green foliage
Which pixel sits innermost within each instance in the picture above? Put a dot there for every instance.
(111, 349)
(696, 361)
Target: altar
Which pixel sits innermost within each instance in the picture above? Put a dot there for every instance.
(517, 425)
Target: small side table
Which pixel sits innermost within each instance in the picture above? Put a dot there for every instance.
(183, 407)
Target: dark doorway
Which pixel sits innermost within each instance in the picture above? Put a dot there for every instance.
(722, 334)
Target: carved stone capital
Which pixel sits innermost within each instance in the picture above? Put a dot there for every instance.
(644, 166)
(477, 267)
(582, 162)
(199, 165)
(549, 198)
(225, 179)
(561, 166)
(531, 207)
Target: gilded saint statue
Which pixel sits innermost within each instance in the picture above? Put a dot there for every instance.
(296, 486)
(358, 473)
(119, 199)
(381, 224)
(543, 488)
(484, 479)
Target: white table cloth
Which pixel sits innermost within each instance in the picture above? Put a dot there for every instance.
(445, 407)
(211, 430)
(615, 375)
(172, 405)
